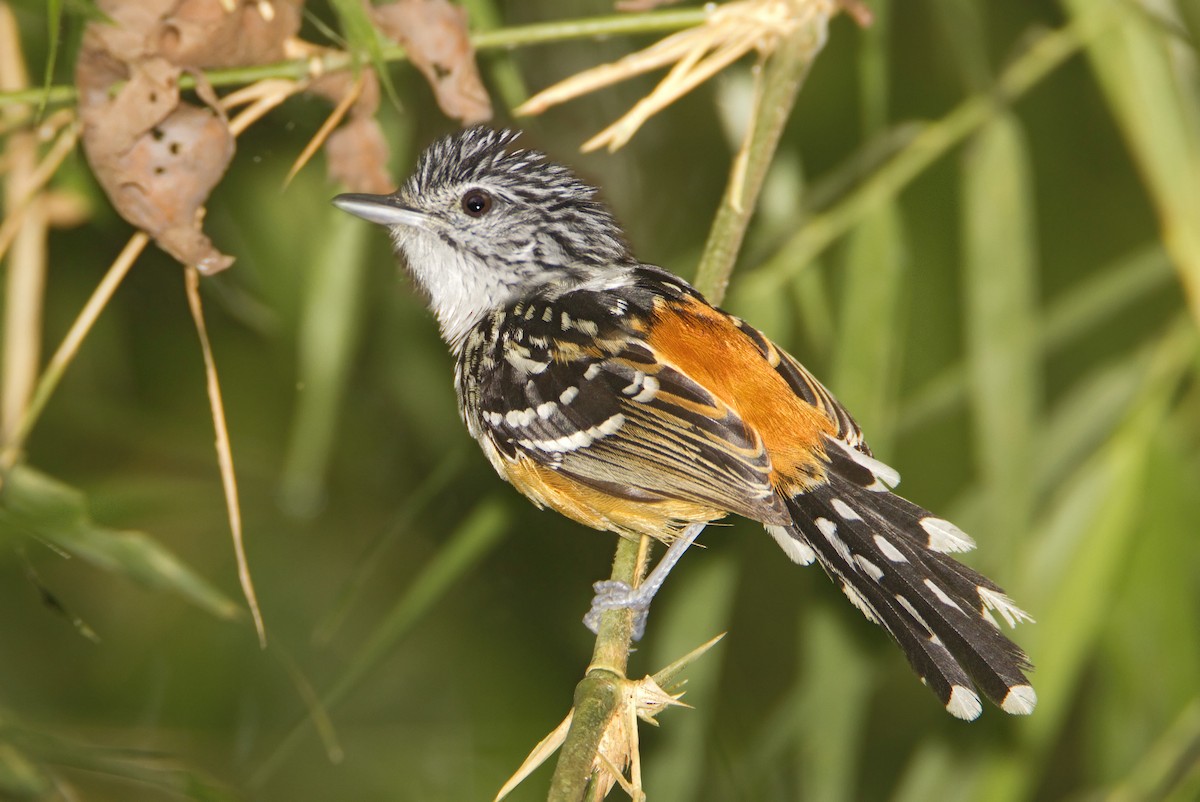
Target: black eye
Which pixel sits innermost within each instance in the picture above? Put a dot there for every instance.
(477, 202)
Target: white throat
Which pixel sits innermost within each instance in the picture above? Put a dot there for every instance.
(462, 289)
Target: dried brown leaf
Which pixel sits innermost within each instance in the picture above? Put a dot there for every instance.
(434, 34)
(199, 33)
(156, 156)
(357, 157)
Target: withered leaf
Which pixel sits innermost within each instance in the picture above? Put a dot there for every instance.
(202, 34)
(434, 34)
(156, 156)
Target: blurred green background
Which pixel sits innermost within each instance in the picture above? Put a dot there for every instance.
(994, 285)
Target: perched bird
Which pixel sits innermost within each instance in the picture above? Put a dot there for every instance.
(612, 391)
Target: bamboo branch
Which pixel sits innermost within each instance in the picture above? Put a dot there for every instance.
(596, 696)
(507, 38)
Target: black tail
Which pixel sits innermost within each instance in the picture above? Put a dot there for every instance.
(889, 556)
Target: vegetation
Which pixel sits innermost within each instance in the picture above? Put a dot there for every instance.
(981, 228)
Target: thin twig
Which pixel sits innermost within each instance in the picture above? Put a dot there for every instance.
(336, 60)
(224, 451)
(596, 696)
(780, 82)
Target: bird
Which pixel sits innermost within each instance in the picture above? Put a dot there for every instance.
(612, 391)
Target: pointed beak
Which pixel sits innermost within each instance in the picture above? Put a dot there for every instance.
(386, 210)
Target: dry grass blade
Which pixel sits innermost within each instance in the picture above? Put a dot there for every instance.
(224, 451)
(261, 97)
(70, 345)
(331, 122)
(537, 756)
(729, 32)
(35, 182)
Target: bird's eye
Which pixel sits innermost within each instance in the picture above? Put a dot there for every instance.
(477, 202)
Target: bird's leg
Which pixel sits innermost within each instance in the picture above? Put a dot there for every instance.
(612, 594)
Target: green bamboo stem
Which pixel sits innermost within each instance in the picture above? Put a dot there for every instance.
(598, 694)
(506, 38)
(783, 74)
(1042, 58)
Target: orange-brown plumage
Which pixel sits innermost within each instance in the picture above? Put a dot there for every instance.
(705, 344)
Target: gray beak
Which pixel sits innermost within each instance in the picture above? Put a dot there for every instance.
(386, 210)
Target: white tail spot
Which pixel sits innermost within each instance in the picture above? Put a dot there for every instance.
(886, 477)
(858, 601)
(829, 530)
(942, 596)
(845, 510)
(891, 552)
(907, 605)
(964, 703)
(1011, 613)
(945, 536)
(1019, 701)
(796, 549)
(871, 569)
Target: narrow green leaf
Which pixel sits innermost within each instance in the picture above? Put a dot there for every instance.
(54, 11)
(696, 604)
(1076, 566)
(505, 73)
(865, 369)
(1103, 296)
(464, 548)
(360, 33)
(837, 680)
(1003, 358)
(330, 326)
(1152, 87)
(33, 504)
(20, 777)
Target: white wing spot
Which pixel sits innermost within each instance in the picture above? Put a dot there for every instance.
(1019, 701)
(568, 395)
(796, 549)
(964, 703)
(548, 315)
(649, 389)
(546, 409)
(945, 536)
(593, 370)
(579, 439)
(845, 510)
(942, 596)
(891, 552)
(1011, 613)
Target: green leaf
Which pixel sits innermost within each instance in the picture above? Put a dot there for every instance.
(1151, 85)
(34, 505)
(360, 32)
(695, 605)
(1000, 313)
(328, 338)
